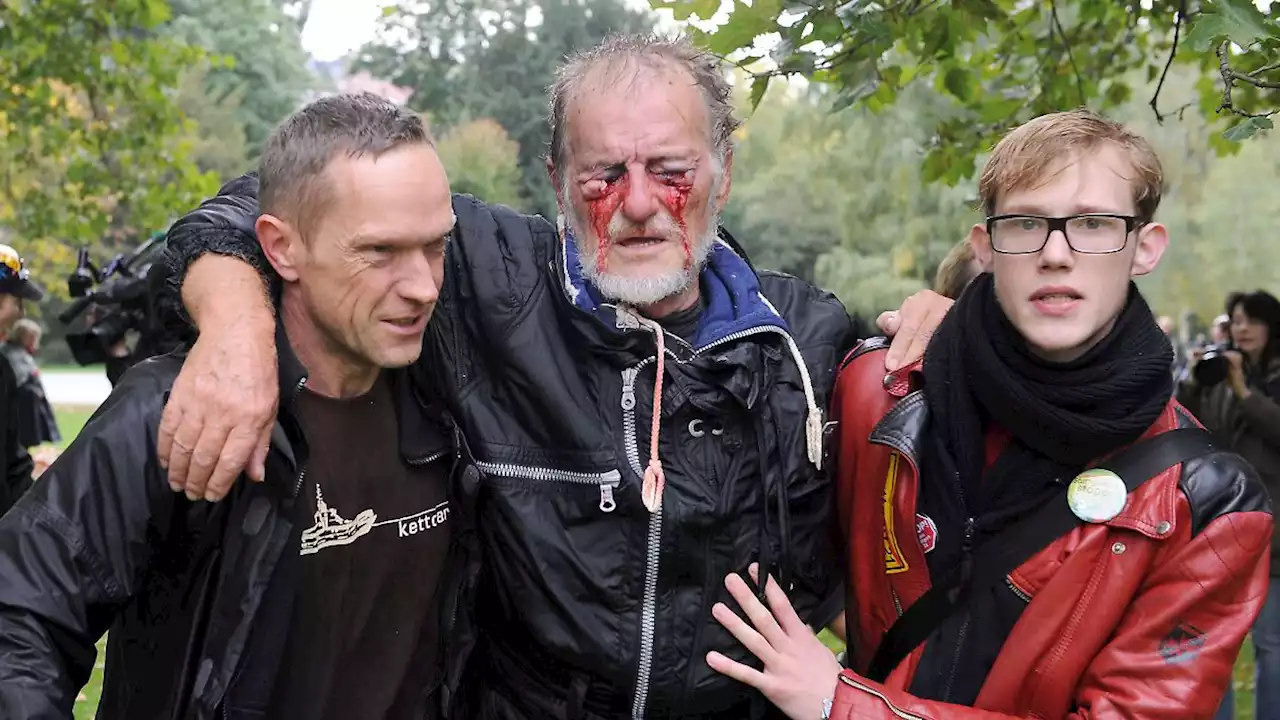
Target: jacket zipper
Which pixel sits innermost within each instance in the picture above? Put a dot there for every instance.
(897, 712)
(955, 658)
(606, 481)
(428, 459)
(297, 488)
(649, 601)
(1017, 591)
(653, 543)
(297, 484)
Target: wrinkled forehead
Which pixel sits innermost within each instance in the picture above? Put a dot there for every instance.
(626, 108)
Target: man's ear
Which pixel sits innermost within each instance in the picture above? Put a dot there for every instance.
(554, 177)
(282, 244)
(722, 193)
(1153, 240)
(980, 241)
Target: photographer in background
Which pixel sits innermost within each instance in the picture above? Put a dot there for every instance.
(15, 463)
(1234, 389)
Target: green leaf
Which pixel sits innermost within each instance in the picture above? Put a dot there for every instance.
(1247, 128)
(1118, 93)
(744, 26)
(959, 82)
(759, 86)
(684, 9)
(1245, 22)
(1207, 31)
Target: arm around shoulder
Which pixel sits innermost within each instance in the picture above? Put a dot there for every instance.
(73, 550)
(222, 226)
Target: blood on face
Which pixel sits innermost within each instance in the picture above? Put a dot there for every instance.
(605, 197)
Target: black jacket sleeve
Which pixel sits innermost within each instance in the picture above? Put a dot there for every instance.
(223, 225)
(18, 462)
(73, 551)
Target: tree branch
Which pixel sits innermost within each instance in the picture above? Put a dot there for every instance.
(1229, 78)
(1066, 44)
(1173, 51)
(1248, 78)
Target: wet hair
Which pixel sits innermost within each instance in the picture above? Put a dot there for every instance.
(1260, 306)
(1027, 155)
(292, 182)
(624, 57)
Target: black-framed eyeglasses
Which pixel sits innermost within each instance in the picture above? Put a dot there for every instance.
(1088, 234)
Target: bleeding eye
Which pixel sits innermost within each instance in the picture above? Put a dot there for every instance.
(676, 177)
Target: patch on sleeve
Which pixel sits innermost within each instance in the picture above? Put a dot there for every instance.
(1182, 644)
(927, 531)
(894, 561)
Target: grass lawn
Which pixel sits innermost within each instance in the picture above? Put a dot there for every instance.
(70, 368)
(71, 419)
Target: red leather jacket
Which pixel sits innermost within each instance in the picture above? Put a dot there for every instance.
(1139, 617)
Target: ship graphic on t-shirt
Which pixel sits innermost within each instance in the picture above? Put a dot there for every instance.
(332, 529)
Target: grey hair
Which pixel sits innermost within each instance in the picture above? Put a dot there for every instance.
(619, 54)
(291, 171)
(25, 329)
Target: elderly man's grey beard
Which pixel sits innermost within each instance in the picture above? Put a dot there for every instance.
(641, 291)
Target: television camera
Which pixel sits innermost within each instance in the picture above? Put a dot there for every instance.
(121, 298)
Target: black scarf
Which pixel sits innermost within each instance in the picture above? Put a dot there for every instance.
(978, 370)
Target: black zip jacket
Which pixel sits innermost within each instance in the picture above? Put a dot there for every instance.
(15, 473)
(591, 606)
(196, 595)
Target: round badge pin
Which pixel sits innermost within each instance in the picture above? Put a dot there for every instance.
(1097, 495)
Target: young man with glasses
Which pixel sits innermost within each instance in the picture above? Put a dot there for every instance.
(1035, 528)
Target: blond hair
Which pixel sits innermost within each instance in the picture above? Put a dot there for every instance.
(956, 271)
(1031, 151)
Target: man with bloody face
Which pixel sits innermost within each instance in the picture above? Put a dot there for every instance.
(645, 407)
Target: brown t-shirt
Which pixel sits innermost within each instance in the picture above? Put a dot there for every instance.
(363, 637)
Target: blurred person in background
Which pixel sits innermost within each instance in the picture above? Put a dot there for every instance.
(957, 269)
(1243, 412)
(1179, 355)
(36, 422)
(16, 286)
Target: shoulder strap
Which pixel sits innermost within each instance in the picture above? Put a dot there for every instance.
(1000, 555)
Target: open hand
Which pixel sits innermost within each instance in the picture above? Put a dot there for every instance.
(912, 326)
(799, 674)
(218, 419)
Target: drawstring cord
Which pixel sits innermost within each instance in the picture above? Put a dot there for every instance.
(654, 479)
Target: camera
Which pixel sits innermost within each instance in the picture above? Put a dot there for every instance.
(1213, 367)
(121, 298)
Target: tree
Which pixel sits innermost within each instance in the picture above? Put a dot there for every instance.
(494, 59)
(836, 197)
(482, 160)
(93, 147)
(259, 58)
(221, 146)
(1003, 62)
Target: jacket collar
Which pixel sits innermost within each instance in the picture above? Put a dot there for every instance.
(730, 293)
(1150, 510)
(426, 432)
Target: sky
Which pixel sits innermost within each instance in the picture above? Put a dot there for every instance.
(337, 27)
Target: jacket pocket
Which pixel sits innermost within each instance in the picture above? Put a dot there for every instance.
(607, 482)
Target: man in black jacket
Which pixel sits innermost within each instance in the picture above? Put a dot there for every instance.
(646, 407)
(15, 287)
(314, 594)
